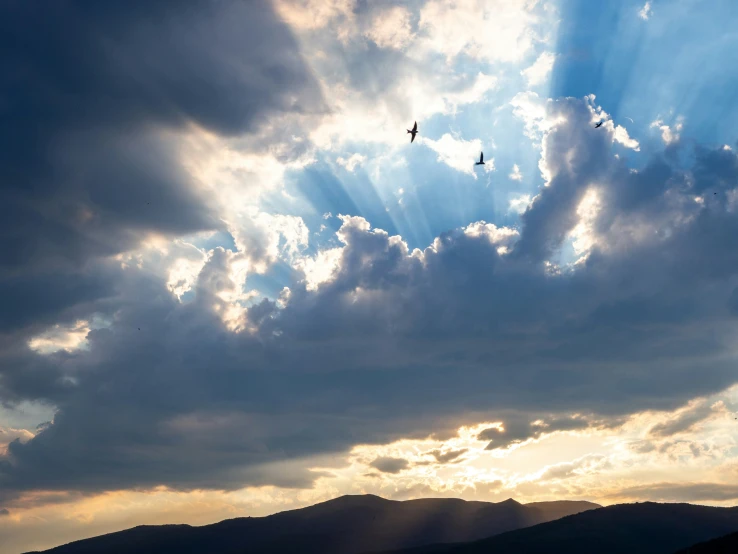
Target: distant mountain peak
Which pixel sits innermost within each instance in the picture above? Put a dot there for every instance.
(357, 499)
(349, 524)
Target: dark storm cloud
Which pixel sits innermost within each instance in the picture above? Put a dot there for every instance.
(87, 89)
(401, 346)
(390, 465)
(519, 430)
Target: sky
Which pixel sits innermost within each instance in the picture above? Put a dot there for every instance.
(232, 286)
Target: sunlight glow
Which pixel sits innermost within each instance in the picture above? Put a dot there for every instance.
(61, 337)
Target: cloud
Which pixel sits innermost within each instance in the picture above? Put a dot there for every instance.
(537, 73)
(685, 420)
(668, 135)
(378, 101)
(352, 162)
(316, 14)
(390, 465)
(515, 175)
(4, 512)
(490, 31)
(449, 456)
(391, 28)
(231, 388)
(9, 434)
(532, 109)
(380, 65)
(517, 430)
(89, 159)
(458, 153)
(61, 338)
(587, 465)
(679, 492)
(320, 269)
(519, 203)
(646, 11)
(621, 136)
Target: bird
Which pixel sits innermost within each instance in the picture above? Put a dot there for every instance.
(599, 125)
(481, 159)
(414, 131)
(139, 328)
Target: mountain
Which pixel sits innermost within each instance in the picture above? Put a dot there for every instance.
(727, 544)
(641, 528)
(345, 525)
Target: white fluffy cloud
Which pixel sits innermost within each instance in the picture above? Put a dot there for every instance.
(668, 134)
(321, 268)
(391, 28)
(519, 203)
(458, 153)
(352, 162)
(646, 11)
(315, 14)
(532, 109)
(537, 73)
(492, 31)
(621, 136)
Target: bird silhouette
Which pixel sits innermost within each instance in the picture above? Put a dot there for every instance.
(599, 125)
(481, 159)
(413, 132)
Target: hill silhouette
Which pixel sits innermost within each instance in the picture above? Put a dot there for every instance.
(727, 544)
(641, 528)
(345, 525)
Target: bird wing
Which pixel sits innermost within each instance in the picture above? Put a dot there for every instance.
(412, 137)
(481, 157)
(415, 127)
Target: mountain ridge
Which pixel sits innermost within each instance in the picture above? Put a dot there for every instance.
(350, 524)
(637, 528)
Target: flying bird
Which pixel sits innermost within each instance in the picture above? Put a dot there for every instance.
(481, 159)
(599, 125)
(414, 131)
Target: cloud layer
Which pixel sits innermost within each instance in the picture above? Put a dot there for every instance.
(398, 343)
